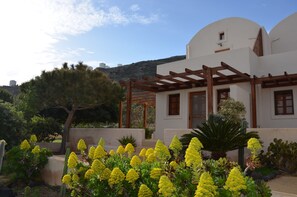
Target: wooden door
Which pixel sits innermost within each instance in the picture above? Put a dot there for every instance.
(197, 108)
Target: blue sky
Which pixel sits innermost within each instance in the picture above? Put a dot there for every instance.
(40, 35)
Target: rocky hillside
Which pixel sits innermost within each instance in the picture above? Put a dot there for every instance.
(139, 69)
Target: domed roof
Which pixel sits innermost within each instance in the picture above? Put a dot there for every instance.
(283, 35)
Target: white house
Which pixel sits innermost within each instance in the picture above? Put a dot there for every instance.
(233, 57)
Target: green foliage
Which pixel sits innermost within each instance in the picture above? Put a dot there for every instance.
(5, 96)
(148, 133)
(46, 129)
(232, 110)
(219, 135)
(127, 139)
(12, 124)
(281, 155)
(24, 165)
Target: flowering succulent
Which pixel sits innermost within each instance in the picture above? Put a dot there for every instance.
(206, 186)
(235, 182)
(105, 174)
(111, 152)
(91, 152)
(166, 188)
(89, 173)
(33, 138)
(254, 146)
(193, 157)
(36, 150)
(72, 160)
(99, 152)
(66, 179)
(161, 151)
(101, 142)
(144, 191)
(142, 152)
(25, 145)
(175, 145)
(135, 161)
(81, 145)
(116, 176)
(97, 166)
(173, 164)
(149, 151)
(132, 176)
(156, 173)
(75, 178)
(129, 149)
(195, 143)
(151, 158)
(120, 150)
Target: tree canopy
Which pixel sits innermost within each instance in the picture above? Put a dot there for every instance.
(71, 88)
(5, 96)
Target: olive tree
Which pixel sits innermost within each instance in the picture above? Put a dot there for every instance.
(71, 88)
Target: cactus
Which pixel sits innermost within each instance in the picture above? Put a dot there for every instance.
(2, 151)
(63, 187)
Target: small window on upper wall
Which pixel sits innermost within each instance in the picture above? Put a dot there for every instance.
(222, 94)
(283, 102)
(173, 104)
(222, 36)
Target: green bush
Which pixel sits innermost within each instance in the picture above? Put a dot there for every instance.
(25, 162)
(281, 155)
(127, 139)
(45, 129)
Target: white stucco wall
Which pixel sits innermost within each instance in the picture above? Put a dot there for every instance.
(239, 33)
(283, 35)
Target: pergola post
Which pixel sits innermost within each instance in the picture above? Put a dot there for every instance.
(209, 89)
(144, 115)
(129, 104)
(121, 114)
(254, 103)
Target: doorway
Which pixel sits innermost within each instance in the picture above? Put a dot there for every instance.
(197, 108)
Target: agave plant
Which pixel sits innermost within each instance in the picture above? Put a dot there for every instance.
(219, 135)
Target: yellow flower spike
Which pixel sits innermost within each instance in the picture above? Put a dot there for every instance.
(144, 191)
(166, 187)
(36, 150)
(116, 177)
(142, 152)
(99, 152)
(151, 158)
(132, 176)
(235, 182)
(75, 178)
(33, 138)
(161, 151)
(120, 150)
(175, 145)
(196, 144)
(72, 160)
(111, 152)
(206, 186)
(129, 149)
(149, 151)
(135, 161)
(81, 145)
(254, 146)
(193, 158)
(105, 175)
(101, 142)
(97, 166)
(173, 164)
(66, 179)
(91, 152)
(156, 173)
(25, 145)
(89, 173)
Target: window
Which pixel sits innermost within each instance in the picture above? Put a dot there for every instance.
(222, 36)
(283, 102)
(173, 104)
(223, 94)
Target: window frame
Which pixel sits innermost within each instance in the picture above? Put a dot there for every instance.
(174, 104)
(283, 94)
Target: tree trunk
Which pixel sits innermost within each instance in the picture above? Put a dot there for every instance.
(66, 131)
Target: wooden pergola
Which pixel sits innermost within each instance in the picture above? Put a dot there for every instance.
(205, 77)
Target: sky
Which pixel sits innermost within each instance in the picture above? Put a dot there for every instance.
(37, 35)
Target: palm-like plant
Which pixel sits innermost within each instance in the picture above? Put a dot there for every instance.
(219, 136)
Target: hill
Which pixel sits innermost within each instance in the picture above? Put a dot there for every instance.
(139, 69)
